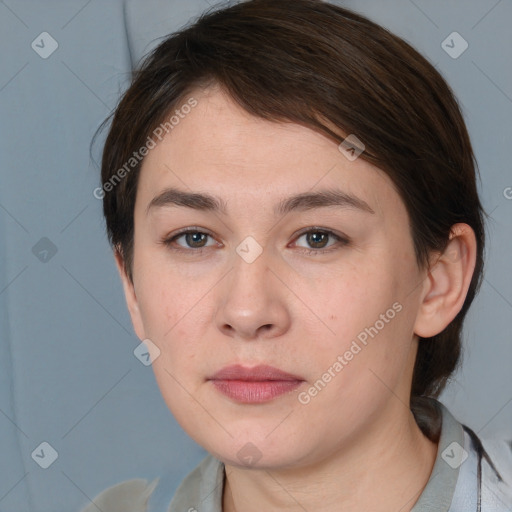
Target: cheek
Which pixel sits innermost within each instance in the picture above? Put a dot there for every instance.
(174, 312)
(370, 328)
(164, 297)
(168, 317)
(352, 302)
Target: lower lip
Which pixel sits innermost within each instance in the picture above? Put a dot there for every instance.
(250, 392)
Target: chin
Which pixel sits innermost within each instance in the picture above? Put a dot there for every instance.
(247, 454)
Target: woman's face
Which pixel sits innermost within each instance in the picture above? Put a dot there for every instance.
(265, 280)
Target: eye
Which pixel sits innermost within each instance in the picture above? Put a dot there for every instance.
(194, 240)
(318, 238)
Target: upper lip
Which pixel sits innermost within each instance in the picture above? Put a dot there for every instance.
(261, 372)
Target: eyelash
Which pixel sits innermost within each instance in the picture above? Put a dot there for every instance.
(342, 241)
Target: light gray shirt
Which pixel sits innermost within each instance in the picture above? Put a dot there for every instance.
(469, 475)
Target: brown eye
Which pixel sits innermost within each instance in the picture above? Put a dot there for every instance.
(195, 239)
(317, 239)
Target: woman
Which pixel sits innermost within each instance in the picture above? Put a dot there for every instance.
(290, 193)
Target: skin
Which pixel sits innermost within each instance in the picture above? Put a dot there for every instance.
(355, 445)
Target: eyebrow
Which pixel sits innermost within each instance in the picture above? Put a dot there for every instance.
(170, 197)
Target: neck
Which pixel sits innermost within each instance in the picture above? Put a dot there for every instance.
(383, 469)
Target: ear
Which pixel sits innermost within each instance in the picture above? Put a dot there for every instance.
(447, 282)
(131, 298)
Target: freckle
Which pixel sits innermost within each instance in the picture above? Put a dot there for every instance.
(334, 317)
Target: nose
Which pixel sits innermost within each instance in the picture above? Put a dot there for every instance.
(252, 301)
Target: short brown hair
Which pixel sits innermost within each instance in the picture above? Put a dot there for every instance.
(317, 64)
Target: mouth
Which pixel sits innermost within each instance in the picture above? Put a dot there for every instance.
(259, 384)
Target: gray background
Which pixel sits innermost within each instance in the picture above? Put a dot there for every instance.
(68, 375)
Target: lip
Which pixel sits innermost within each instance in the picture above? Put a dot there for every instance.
(259, 373)
(258, 384)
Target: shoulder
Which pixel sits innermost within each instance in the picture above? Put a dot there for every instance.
(497, 454)
(500, 453)
(201, 489)
(130, 495)
(494, 471)
(481, 467)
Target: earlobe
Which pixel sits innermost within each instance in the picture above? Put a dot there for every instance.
(447, 282)
(130, 296)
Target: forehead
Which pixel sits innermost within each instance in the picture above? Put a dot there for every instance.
(221, 148)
